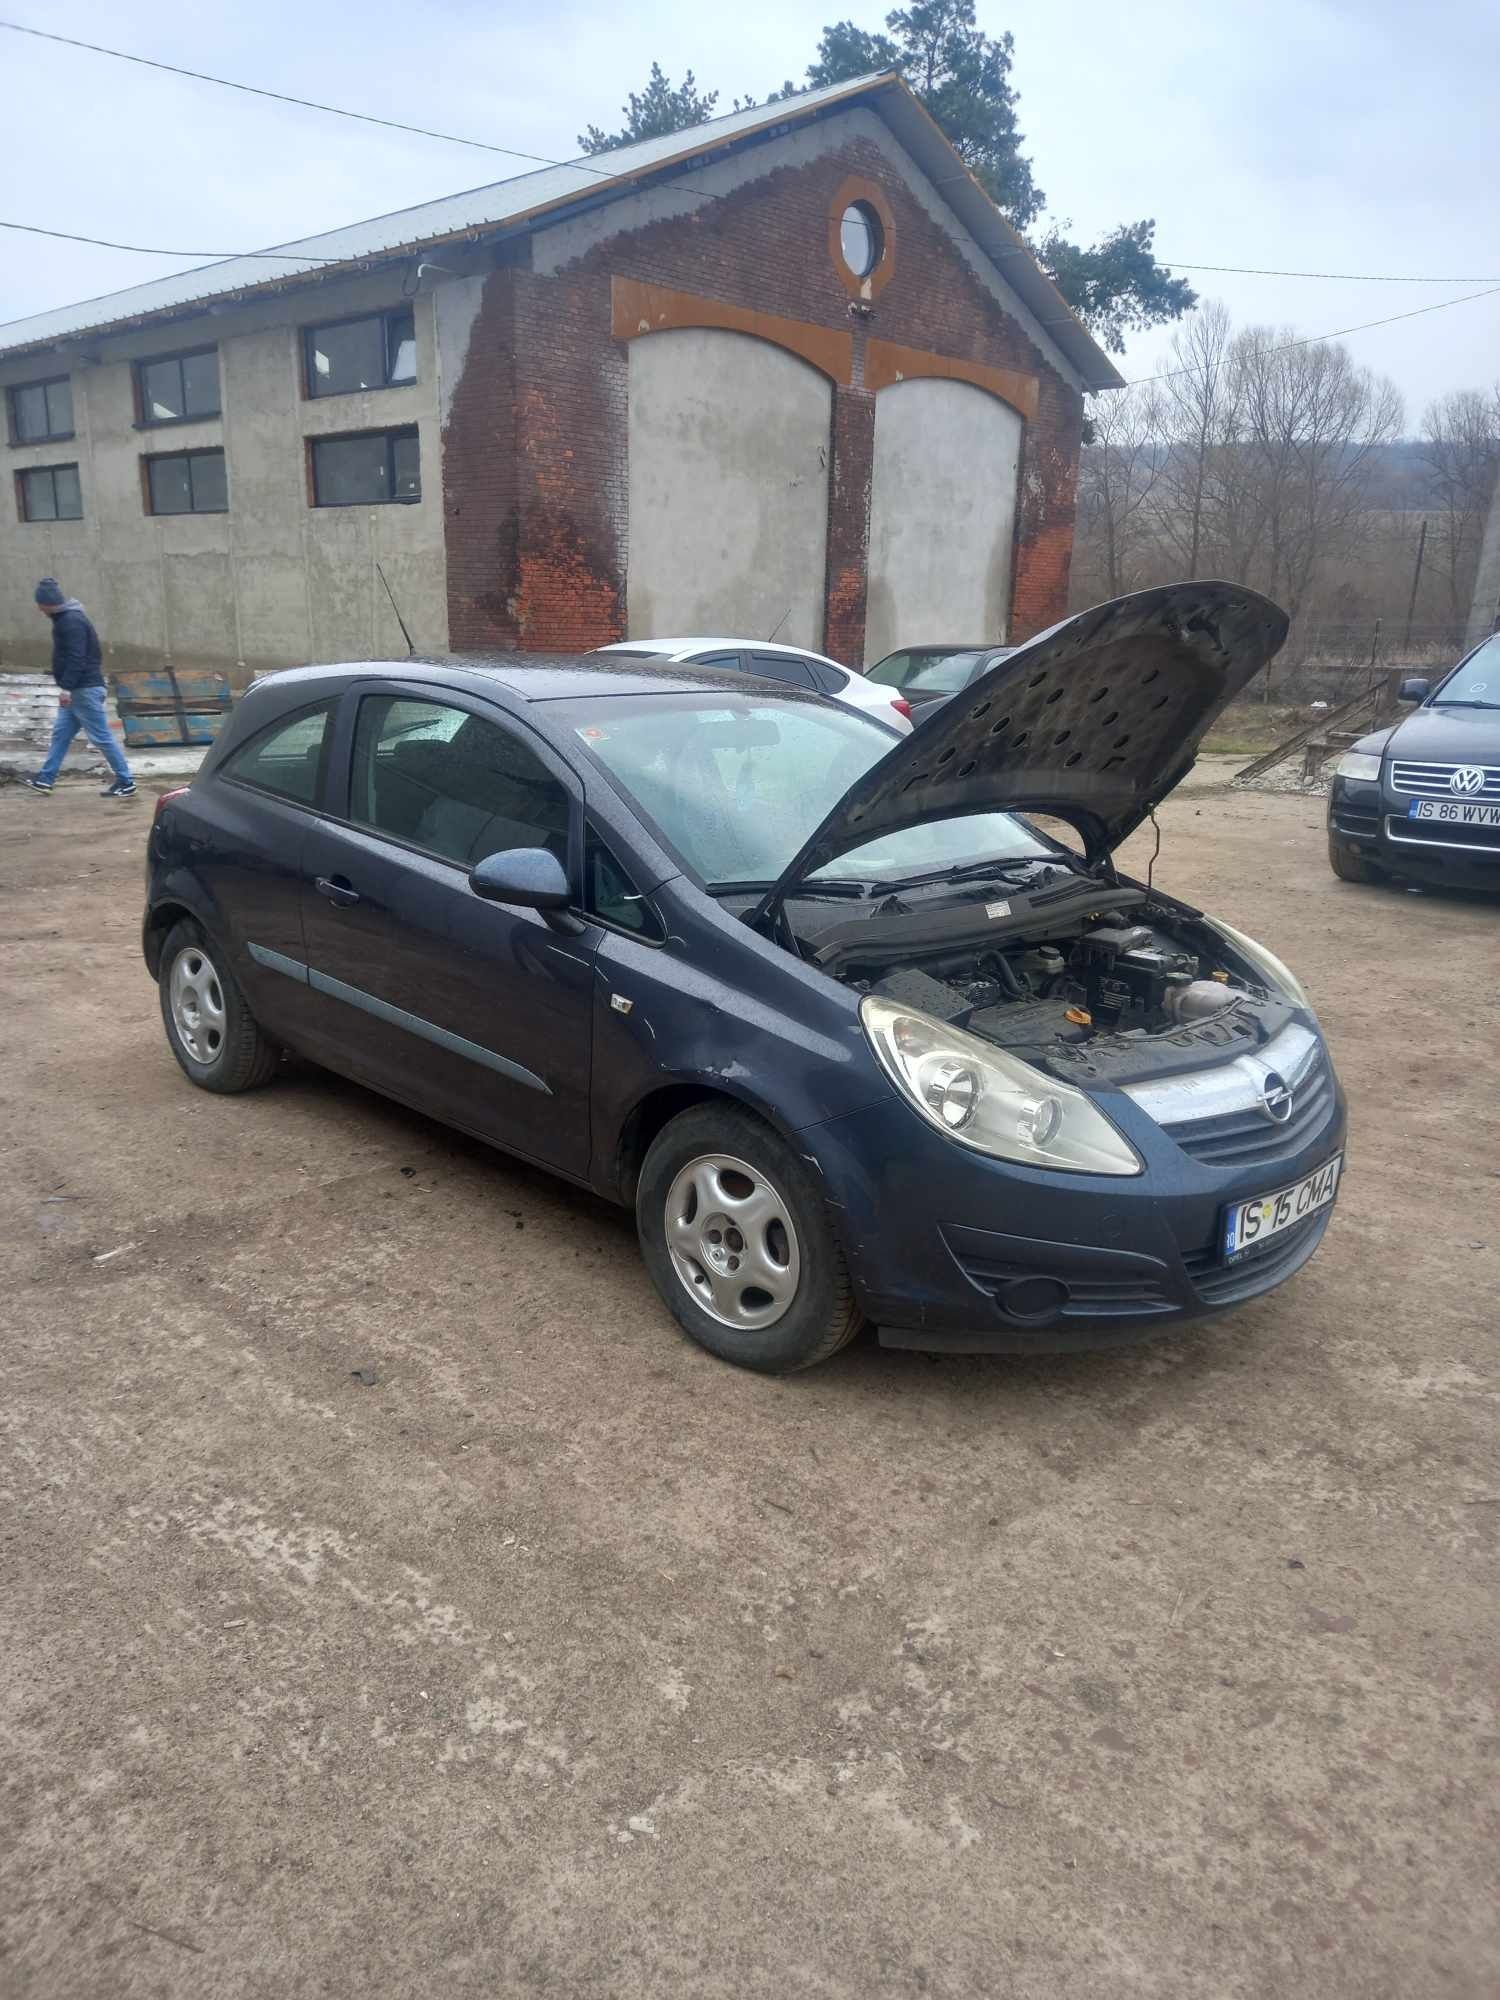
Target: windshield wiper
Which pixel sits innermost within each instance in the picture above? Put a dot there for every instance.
(1464, 704)
(842, 886)
(972, 871)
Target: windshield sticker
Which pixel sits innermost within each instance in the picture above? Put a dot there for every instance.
(993, 910)
(593, 734)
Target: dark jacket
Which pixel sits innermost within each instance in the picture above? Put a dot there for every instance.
(75, 649)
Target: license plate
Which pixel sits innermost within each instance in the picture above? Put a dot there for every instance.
(1248, 1224)
(1454, 812)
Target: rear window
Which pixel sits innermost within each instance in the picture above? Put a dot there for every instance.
(284, 758)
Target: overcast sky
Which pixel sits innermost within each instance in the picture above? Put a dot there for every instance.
(1359, 137)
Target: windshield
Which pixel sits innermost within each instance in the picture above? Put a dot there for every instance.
(738, 788)
(1477, 680)
(942, 673)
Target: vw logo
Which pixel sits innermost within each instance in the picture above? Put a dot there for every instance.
(1276, 1097)
(1467, 778)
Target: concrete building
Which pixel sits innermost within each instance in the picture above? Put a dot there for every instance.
(788, 372)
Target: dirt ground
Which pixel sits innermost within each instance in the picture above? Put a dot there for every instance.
(560, 1659)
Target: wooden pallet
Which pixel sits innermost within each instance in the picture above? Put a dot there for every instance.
(171, 705)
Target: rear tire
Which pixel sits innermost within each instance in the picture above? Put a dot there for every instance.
(210, 1028)
(735, 1234)
(1350, 866)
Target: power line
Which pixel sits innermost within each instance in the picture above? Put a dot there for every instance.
(1310, 339)
(306, 103)
(545, 160)
(1347, 277)
(145, 250)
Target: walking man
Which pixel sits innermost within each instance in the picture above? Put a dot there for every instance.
(80, 692)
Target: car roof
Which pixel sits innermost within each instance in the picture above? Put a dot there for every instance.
(534, 677)
(666, 647)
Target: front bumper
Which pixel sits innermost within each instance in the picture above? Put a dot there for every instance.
(957, 1253)
(1373, 823)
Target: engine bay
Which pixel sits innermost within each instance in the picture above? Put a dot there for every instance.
(1137, 987)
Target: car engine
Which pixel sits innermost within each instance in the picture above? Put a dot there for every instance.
(1127, 991)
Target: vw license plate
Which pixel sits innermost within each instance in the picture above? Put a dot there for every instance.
(1454, 812)
(1250, 1223)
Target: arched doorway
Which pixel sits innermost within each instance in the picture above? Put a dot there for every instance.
(942, 516)
(729, 443)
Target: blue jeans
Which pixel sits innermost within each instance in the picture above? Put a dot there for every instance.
(85, 711)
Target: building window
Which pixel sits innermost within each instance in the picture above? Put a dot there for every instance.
(377, 352)
(40, 411)
(366, 469)
(861, 238)
(187, 482)
(50, 493)
(177, 388)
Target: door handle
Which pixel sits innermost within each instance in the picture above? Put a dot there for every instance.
(337, 890)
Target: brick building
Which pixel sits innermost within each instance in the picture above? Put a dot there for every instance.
(789, 371)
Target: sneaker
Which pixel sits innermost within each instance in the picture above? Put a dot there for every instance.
(40, 785)
(122, 788)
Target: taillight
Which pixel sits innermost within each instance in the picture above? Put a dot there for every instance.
(902, 707)
(166, 798)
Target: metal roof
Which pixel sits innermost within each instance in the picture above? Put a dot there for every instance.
(529, 198)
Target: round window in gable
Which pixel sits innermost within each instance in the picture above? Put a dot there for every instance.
(861, 239)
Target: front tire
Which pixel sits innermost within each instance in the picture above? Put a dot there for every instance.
(210, 1029)
(1350, 866)
(735, 1234)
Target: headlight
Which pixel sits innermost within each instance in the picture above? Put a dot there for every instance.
(1266, 962)
(1361, 764)
(989, 1100)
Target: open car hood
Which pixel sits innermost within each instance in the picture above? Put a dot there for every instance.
(1093, 721)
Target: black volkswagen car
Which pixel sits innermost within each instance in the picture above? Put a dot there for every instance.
(856, 1042)
(1421, 799)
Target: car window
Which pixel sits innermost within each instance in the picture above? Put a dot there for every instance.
(891, 671)
(611, 896)
(286, 757)
(1477, 680)
(831, 679)
(782, 667)
(730, 660)
(452, 783)
(736, 785)
(946, 675)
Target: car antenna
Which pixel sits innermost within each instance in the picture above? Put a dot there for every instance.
(410, 648)
(777, 626)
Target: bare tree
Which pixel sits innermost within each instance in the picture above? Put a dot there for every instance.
(1116, 480)
(1461, 459)
(1200, 421)
(1313, 425)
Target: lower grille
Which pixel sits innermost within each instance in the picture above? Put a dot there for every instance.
(1128, 1294)
(1219, 1284)
(1249, 1139)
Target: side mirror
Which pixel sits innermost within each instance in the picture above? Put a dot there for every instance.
(528, 878)
(1414, 688)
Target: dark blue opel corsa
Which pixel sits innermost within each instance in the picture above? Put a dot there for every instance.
(856, 1043)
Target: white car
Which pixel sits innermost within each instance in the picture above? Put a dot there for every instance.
(789, 664)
